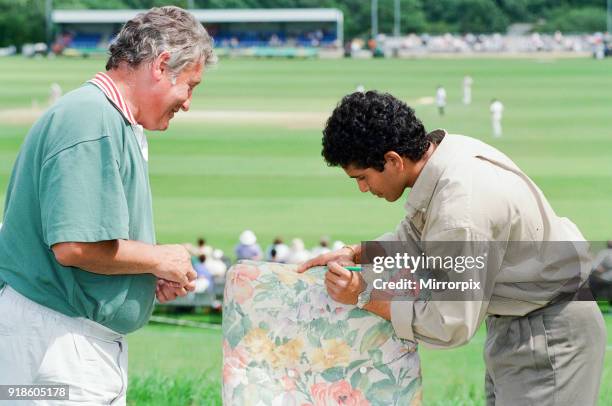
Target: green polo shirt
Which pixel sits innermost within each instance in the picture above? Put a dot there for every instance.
(79, 176)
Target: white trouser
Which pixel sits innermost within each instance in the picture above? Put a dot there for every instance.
(39, 346)
(497, 128)
(467, 96)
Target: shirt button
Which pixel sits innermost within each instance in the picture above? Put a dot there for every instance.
(363, 370)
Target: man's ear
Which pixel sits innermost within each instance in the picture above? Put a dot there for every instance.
(394, 160)
(160, 66)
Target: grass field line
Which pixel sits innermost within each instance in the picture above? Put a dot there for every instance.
(278, 118)
(189, 332)
(186, 323)
(287, 119)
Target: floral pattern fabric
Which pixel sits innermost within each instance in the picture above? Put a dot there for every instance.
(286, 342)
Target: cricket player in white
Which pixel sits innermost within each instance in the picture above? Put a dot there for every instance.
(441, 99)
(467, 89)
(497, 110)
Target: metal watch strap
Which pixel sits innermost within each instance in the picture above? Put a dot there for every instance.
(364, 297)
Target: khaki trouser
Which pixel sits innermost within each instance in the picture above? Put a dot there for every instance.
(552, 356)
(39, 346)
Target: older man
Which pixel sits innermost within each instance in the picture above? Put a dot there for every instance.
(541, 348)
(79, 266)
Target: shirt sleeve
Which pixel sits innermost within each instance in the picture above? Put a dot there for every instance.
(401, 233)
(449, 323)
(81, 193)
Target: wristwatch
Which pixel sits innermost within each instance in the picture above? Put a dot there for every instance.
(364, 297)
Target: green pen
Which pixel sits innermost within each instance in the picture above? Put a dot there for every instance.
(353, 268)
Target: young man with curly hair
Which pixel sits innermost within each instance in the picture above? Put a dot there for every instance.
(539, 350)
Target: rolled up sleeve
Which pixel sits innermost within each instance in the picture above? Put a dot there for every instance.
(447, 323)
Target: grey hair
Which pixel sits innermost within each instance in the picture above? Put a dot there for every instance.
(169, 28)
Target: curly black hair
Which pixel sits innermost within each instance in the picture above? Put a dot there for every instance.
(365, 126)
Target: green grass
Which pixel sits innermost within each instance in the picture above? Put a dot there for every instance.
(181, 366)
(216, 179)
(171, 365)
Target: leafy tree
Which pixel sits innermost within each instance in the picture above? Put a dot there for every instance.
(21, 21)
(88, 4)
(516, 10)
(480, 16)
(584, 19)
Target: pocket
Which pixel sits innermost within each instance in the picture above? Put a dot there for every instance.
(89, 365)
(540, 348)
(7, 311)
(101, 358)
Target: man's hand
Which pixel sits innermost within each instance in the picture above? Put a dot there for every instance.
(174, 264)
(343, 286)
(167, 290)
(344, 256)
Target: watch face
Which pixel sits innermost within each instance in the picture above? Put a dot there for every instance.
(363, 298)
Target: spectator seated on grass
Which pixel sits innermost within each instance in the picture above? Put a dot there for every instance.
(201, 248)
(248, 247)
(215, 264)
(322, 248)
(337, 245)
(280, 249)
(297, 253)
(601, 277)
(204, 281)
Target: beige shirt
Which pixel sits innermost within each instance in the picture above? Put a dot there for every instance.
(469, 191)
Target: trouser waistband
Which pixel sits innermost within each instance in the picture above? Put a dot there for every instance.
(80, 325)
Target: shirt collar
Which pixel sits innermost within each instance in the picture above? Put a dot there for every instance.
(108, 87)
(421, 193)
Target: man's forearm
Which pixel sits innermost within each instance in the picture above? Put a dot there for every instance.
(115, 257)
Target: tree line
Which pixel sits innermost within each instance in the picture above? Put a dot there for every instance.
(24, 20)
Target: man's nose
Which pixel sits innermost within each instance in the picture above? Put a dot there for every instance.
(186, 104)
(363, 187)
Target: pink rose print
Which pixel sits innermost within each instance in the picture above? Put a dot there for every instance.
(242, 276)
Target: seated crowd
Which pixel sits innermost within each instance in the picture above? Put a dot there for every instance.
(211, 263)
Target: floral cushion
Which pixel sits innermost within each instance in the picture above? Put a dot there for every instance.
(286, 342)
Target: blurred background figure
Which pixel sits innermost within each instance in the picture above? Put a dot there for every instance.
(201, 248)
(223, 258)
(601, 276)
(278, 251)
(204, 280)
(215, 264)
(441, 99)
(54, 93)
(337, 245)
(248, 247)
(497, 110)
(298, 253)
(217, 267)
(322, 248)
(467, 89)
